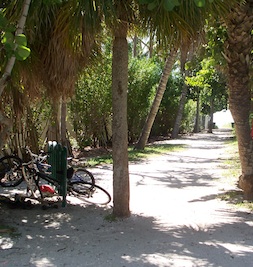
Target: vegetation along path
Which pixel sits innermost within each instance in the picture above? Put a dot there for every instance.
(179, 217)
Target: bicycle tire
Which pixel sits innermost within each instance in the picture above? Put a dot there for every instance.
(82, 175)
(10, 171)
(93, 194)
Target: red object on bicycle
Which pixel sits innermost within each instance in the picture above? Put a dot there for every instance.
(45, 188)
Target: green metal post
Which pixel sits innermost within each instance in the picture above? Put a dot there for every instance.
(58, 162)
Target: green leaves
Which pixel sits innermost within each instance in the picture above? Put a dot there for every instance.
(22, 52)
(170, 4)
(14, 45)
(21, 39)
(200, 3)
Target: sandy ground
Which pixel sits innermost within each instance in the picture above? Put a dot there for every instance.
(177, 218)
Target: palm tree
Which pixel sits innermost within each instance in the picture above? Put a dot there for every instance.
(121, 191)
(239, 59)
(61, 43)
(157, 100)
(4, 121)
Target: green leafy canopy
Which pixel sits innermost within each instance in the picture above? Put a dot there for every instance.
(13, 44)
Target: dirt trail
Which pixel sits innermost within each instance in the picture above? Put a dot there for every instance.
(177, 218)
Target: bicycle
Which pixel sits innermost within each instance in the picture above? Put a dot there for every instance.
(41, 164)
(11, 175)
(80, 182)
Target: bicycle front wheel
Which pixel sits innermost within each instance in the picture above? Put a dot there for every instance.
(90, 193)
(10, 171)
(82, 175)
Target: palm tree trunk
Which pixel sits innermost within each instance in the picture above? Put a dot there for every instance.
(121, 191)
(157, 100)
(238, 54)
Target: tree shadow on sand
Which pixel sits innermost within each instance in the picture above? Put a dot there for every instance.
(80, 236)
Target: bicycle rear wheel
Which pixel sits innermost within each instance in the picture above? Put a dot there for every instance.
(10, 171)
(82, 175)
(90, 193)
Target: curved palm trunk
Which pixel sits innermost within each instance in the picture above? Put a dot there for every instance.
(157, 100)
(121, 192)
(238, 53)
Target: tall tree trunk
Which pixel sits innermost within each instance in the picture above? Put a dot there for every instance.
(186, 52)
(210, 124)
(182, 101)
(135, 42)
(121, 191)
(157, 100)
(180, 112)
(5, 123)
(151, 45)
(239, 57)
(196, 126)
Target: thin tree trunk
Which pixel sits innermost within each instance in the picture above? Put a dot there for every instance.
(182, 101)
(210, 125)
(186, 52)
(196, 126)
(135, 41)
(180, 112)
(151, 45)
(121, 191)
(238, 55)
(157, 100)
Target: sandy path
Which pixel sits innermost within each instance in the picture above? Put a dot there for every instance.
(177, 219)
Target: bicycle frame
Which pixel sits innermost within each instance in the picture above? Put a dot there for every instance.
(32, 177)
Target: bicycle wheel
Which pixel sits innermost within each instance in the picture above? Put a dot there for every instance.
(93, 194)
(82, 175)
(10, 171)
